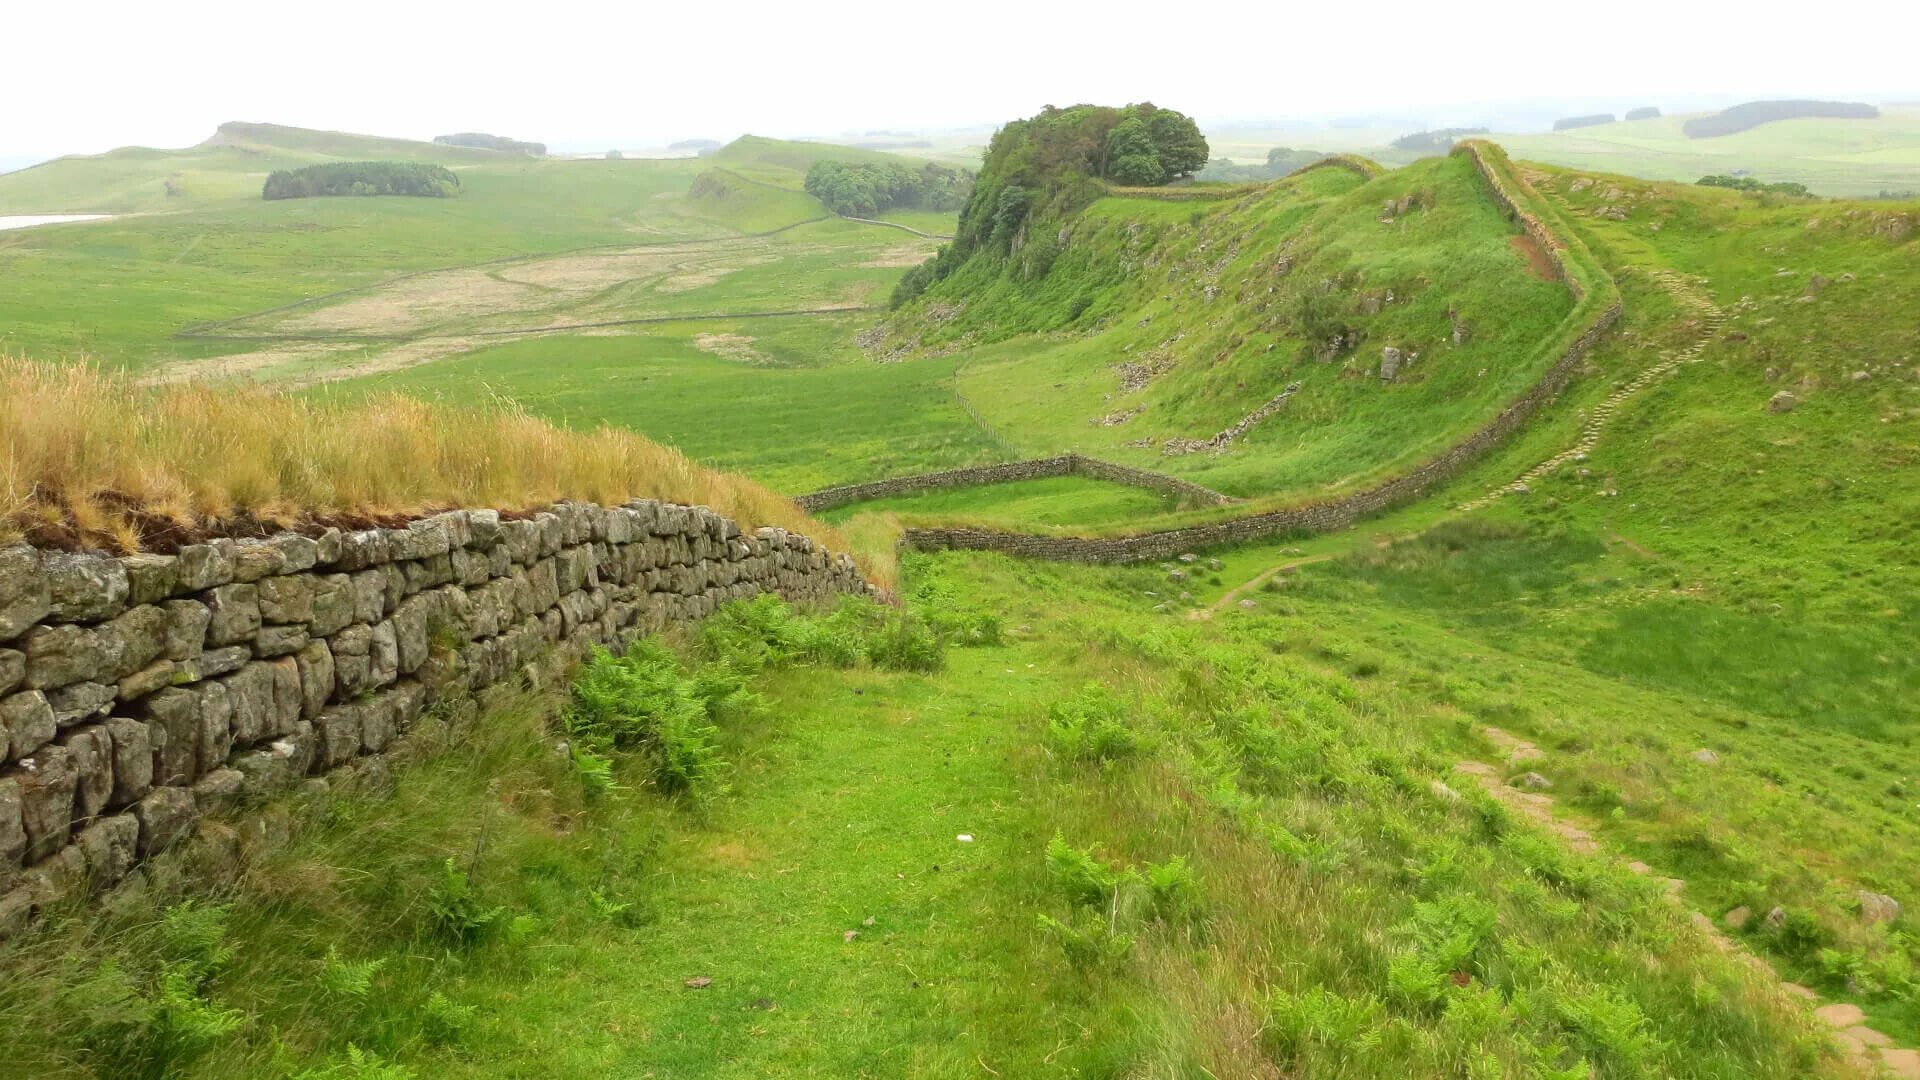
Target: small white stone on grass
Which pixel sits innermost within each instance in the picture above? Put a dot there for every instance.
(965, 838)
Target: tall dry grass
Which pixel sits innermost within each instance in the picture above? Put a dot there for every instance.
(92, 456)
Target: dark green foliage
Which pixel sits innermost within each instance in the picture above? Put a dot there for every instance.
(1438, 141)
(645, 703)
(1052, 164)
(1091, 725)
(362, 178)
(1590, 120)
(1748, 183)
(143, 1026)
(1281, 161)
(455, 913)
(482, 141)
(1645, 112)
(1754, 113)
(864, 189)
(1131, 156)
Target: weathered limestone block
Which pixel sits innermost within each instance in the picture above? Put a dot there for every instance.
(422, 539)
(254, 559)
(13, 832)
(428, 573)
(332, 606)
(251, 690)
(297, 553)
(340, 733)
(409, 624)
(58, 877)
(24, 598)
(90, 750)
(383, 656)
(166, 815)
(360, 550)
(155, 676)
(393, 580)
(275, 641)
(47, 780)
(84, 587)
(483, 528)
(216, 662)
(552, 533)
(61, 655)
(286, 598)
(216, 724)
(173, 730)
(13, 670)
(316, 678)
(132, 757)
(470, 568)
(150, 578)
(26, 723)
(204, 566)
(452, 616)
(236, 613)
(377, 723)
(369, 595)
(81, 701)
(521, 539)
(107, 846)
(219, 790)
(287, 697)
(543, 581)
(138, 637)
(186, 633)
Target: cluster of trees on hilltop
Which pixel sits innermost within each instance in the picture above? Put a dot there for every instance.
(362, 178)
(1055, 162)
(481, 141)
(1754, 113)
(1437, 141)
(1748, 183)
(863, 189)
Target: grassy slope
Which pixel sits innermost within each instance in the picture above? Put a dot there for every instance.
(847, 931)
(1199, 285)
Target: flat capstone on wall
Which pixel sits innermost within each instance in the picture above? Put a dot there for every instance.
(139, 693)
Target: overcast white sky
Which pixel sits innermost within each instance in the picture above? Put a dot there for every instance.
(84, 77)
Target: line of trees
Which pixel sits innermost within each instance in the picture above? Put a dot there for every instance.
(480, 140)
(1438, 141)
(1754, 113)
(1568, 123)
(863, 189)
(362, 178)
(1749, 184)
(1281, 161)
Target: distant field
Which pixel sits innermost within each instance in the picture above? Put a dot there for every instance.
(1833, 157)
(1055, 502)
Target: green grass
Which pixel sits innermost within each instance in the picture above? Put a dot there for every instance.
(1241, 922)
(798, 428)
(1045, 505)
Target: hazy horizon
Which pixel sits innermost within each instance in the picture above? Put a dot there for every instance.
(646, 79)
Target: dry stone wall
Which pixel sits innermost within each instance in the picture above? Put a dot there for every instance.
(1007, 472)
(138, 693)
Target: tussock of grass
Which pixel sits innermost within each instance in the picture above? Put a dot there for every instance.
(89, 456)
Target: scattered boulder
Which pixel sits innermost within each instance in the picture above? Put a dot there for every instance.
(1877, 907)
(1705, 756)
(1391, 361)
(1738, 918)
(1532, 781)
(1783, 402)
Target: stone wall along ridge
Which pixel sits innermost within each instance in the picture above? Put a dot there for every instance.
(138, 693)
(1008, 472)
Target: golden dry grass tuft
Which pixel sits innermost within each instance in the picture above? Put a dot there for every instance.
(89, 457)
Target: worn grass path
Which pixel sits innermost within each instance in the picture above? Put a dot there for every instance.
(807, 850)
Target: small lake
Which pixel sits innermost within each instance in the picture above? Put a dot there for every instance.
(28, 221)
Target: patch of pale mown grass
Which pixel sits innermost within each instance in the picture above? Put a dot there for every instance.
(91, 457)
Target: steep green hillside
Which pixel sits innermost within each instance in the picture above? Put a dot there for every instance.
(1135, 327)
